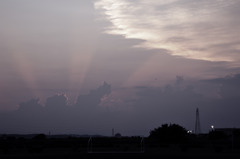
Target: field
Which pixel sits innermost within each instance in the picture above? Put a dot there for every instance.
(64, 147)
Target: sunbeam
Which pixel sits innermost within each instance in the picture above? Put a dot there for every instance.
(24, 68)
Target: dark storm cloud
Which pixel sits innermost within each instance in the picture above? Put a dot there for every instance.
(224, 111)
(172, 103)
(132, 111)
(229, 86)
(56, 115)
(31, 105)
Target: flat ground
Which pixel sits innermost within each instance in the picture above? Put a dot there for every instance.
(168, 154)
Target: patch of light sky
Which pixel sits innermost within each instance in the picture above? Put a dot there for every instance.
(204, 23)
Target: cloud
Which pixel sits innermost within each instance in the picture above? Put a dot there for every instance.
(31, 105)
(93, 99)
(119, 99)
(229, 86)
(131, 111)
(57, 115)
(56, 102)
(55, 45)
(148, 107)
(187, 28)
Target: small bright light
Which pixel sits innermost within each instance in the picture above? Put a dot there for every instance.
(212, 126)
(189, 131)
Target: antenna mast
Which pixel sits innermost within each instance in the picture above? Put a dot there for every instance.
(197, 124)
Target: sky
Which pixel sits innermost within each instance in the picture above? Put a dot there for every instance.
(85, 67)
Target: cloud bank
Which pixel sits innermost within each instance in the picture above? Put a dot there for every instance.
(131, 111)
(204, 30)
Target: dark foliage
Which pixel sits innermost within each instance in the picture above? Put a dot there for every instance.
(172, 133)
(217, 135)
(40, 137)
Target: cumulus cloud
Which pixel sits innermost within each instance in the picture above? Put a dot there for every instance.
(56, 102)
(57, 115)
(204, 30)
(120, 99)
(93, 99)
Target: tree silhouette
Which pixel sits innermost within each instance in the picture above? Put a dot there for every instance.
(172, 133)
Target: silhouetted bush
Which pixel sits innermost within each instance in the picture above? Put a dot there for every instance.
(118, 135)
(172, 133)
(40, 137)
(217, 135)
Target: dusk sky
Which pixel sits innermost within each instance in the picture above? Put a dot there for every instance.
(87, 66)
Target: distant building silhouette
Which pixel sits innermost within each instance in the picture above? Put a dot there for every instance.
(197, 124)
(228, 131)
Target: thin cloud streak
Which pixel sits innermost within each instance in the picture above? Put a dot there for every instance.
(187, 28)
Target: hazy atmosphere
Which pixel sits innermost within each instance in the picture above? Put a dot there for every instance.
(87, 66)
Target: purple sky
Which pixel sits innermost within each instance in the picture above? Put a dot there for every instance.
(162, 60)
